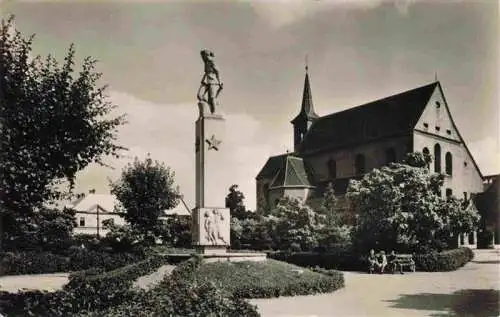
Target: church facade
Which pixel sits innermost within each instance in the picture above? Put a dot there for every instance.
(345, 145)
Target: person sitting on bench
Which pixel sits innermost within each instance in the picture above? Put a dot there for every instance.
(393, 262)
(382, 262)
(373, 261)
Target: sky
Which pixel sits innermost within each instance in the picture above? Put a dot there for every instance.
(357, 51)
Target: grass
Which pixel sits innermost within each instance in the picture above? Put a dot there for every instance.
(268, 278)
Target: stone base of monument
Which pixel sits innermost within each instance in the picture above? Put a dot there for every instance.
(218, 254)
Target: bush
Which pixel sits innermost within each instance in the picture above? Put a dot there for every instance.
(180, 294)
(340, 258)
(86, 291)
(443, 261)
(34, 262)
(267, 279)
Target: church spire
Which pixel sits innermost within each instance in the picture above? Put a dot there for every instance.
(302, 122)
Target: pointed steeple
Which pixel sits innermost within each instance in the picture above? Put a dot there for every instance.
(307, 108)
(303, 121)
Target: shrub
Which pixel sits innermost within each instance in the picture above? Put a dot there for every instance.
(444, 261)
(34, 262)
(180, 294)
(267, 279)
(339, 258)
(86, 291)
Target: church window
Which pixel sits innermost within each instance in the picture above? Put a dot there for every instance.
(448, 131)
(465, 164)
(426, 125)
(438, 104)
(390, 155)
(465, 196)
(438, 128)
(82, 221)
(332, 168)
(359, 164)
(448, 163)
(266, 193)
(437, 158)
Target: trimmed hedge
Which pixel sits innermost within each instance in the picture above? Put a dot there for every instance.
(340, 259)
(86, 291)
(268, 279)
(32, 262)
(444, 261)
(180, 294)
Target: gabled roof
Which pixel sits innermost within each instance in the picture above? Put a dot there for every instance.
(89, 202)
(394, 115)
(307, 108)
(293, 174)
(181, 209)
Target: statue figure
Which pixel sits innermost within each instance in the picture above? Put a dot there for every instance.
(211, 86)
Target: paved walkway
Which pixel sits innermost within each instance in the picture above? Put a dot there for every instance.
(470, 291)
(48, 282)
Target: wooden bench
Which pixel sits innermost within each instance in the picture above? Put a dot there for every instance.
(403, 260)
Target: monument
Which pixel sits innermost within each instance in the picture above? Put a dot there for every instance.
(211, 220)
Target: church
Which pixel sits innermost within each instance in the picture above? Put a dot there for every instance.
(345, 145)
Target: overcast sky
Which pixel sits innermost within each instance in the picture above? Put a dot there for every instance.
(358, 52)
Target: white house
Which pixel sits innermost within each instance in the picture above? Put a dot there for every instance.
(93, 209)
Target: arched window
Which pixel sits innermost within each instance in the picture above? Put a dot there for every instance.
(266, 193)
(390, 155)
(448, 163)
(437, 158)
(426, 153)
(359, 164)
(332, 168)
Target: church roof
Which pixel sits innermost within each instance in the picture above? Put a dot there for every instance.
(272, 166)
(386, 117)
(292, 174)
(307, 108)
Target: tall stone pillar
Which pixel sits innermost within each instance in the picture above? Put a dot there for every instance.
(211, 220)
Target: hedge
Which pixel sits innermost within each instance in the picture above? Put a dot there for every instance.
(340, 259)
(32, 262)
(346, 260)
(443, 261)
(86, 290)
(180, 294)
(268, 279)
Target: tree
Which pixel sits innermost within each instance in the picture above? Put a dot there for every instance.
(328, 206)
(145, 190)
(400, 207)
(53, 123)
(234, 201)
(295, 225)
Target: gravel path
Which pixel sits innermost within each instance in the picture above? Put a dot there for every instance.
(48, 282)
(469, 291)
(150, 280)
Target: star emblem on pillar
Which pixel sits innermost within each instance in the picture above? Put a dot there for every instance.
(213, 143)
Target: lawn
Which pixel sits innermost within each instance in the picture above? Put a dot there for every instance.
(268, 278)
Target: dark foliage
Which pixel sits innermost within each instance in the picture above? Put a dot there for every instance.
(443, 261)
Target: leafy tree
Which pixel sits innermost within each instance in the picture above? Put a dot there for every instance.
(145, 190)
(54, 122)
(295, 225)
(48, 229)
(328, 206)
(400, 207)
(234, 201)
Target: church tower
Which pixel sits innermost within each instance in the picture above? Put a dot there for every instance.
(303, 121)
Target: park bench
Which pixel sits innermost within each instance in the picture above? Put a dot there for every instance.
(403, 260)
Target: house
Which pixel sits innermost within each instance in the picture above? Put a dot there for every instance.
(345, 145)
(92, 210)
(488, 204)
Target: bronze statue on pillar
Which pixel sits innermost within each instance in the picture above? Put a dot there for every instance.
(211, 85)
